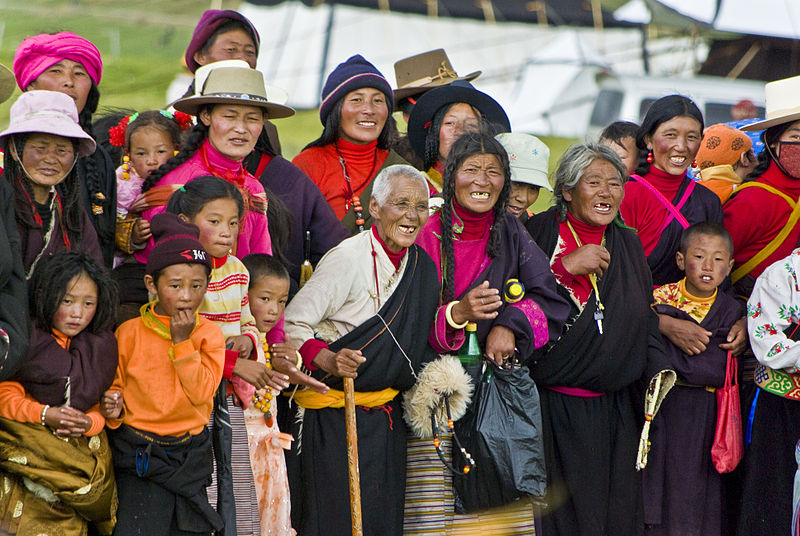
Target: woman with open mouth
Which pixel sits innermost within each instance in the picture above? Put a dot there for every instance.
(590, 406)
(356, 113)
(477, 247)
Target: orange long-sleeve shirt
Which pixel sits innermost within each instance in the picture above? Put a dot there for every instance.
(16, 404)
(167, 396)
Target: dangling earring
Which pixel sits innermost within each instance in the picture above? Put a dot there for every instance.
(126, 166)
(649, 156)
(694, 163)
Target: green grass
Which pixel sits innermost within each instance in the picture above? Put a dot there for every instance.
(142, 44)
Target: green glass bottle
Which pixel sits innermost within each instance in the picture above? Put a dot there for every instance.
(470, 351)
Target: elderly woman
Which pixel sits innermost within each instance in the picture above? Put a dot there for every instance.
(588, 378)
(356, 113)
(42, 145)
(68, 63)
(372, 300)
(477, 247)
(442, 115)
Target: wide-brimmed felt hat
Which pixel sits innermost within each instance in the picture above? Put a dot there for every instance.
(230, 82)
(420, 73)
(459, 91)
(47, 112)
(207, 25)
(528, 158)
(7, 83)
(783, 104)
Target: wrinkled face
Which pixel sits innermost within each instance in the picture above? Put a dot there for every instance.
(479, 182)
(458, 120)
(180, 287)
(707, 263)
(218, 222)
(233, 45)
(233, 129)
(402, 215)
(78, 306)
(364, 113)
(68, 77)
(268, 296)
(47, 159)
(523, 195)
(596, 198)
(149, 148)
(675, 144)
(626, 151)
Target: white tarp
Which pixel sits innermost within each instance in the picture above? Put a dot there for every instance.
(542, 76)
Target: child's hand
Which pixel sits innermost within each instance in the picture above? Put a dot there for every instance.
(111, 404)
(181, 325)
(240, 343)
(258, 375)
(284, 359)
(141, 231)
(67, 421)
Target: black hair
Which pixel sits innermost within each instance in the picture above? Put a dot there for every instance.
(769, 137)
(431, 155)
(660, 112)
(71, 211)
(279, 225)
(228, 26)
(705, 228)
(190, 198)
(333, 124)
(91, 176)
(155, 119)
(262, 265)
(100, 127)
(48, 286)
(618, 131)
(194, 140)
(471, 143)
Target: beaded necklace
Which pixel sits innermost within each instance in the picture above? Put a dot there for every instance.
(262, 398)
(38, 219)
(353, 199)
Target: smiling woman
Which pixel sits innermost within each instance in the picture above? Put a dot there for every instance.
(356, 113)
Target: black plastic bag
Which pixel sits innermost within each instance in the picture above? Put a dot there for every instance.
(502, 431)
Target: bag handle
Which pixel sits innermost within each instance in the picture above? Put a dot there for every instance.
(731, 370)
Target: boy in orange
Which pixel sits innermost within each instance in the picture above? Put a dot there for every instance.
(170, 364)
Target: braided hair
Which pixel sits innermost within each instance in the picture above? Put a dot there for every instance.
(660, 112)
(194, 140)
(72, 211)
(90, 174)
(470, 144)
(431, 155)
(333, 126)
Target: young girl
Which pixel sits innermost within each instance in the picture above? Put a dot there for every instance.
(148, 139)
(216, 207)
(49, 411)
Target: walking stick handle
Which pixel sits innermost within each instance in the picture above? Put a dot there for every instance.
(352, 456)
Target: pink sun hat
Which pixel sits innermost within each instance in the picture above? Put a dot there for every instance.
(47, 112)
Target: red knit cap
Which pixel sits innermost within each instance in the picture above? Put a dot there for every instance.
(722, 144)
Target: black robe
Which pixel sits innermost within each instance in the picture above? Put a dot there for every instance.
(591, 443)
(321, 498)
(682, 489)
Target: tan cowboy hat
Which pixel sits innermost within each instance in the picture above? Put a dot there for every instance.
(230, 82)
(7, 83)
(425, 71)
(783, 104)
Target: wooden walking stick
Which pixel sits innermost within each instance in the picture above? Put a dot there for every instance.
(352, 455)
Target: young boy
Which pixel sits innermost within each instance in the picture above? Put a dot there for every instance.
(170, 364)
(682, 489)
(528, 157)
(620, 137)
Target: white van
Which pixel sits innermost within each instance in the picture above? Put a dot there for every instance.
(627, 98)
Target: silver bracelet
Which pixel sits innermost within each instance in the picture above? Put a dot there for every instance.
(44, 412)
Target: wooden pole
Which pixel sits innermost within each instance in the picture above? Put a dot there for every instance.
(352, 455)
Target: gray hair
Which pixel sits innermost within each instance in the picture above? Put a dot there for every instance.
(574, 162)
(382, 185)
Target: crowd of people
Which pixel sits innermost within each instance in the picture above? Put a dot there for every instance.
(182, 308)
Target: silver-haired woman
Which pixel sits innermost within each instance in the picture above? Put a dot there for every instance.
(372, 301)
(588, 379)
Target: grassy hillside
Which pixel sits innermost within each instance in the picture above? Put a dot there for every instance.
(142, 44)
